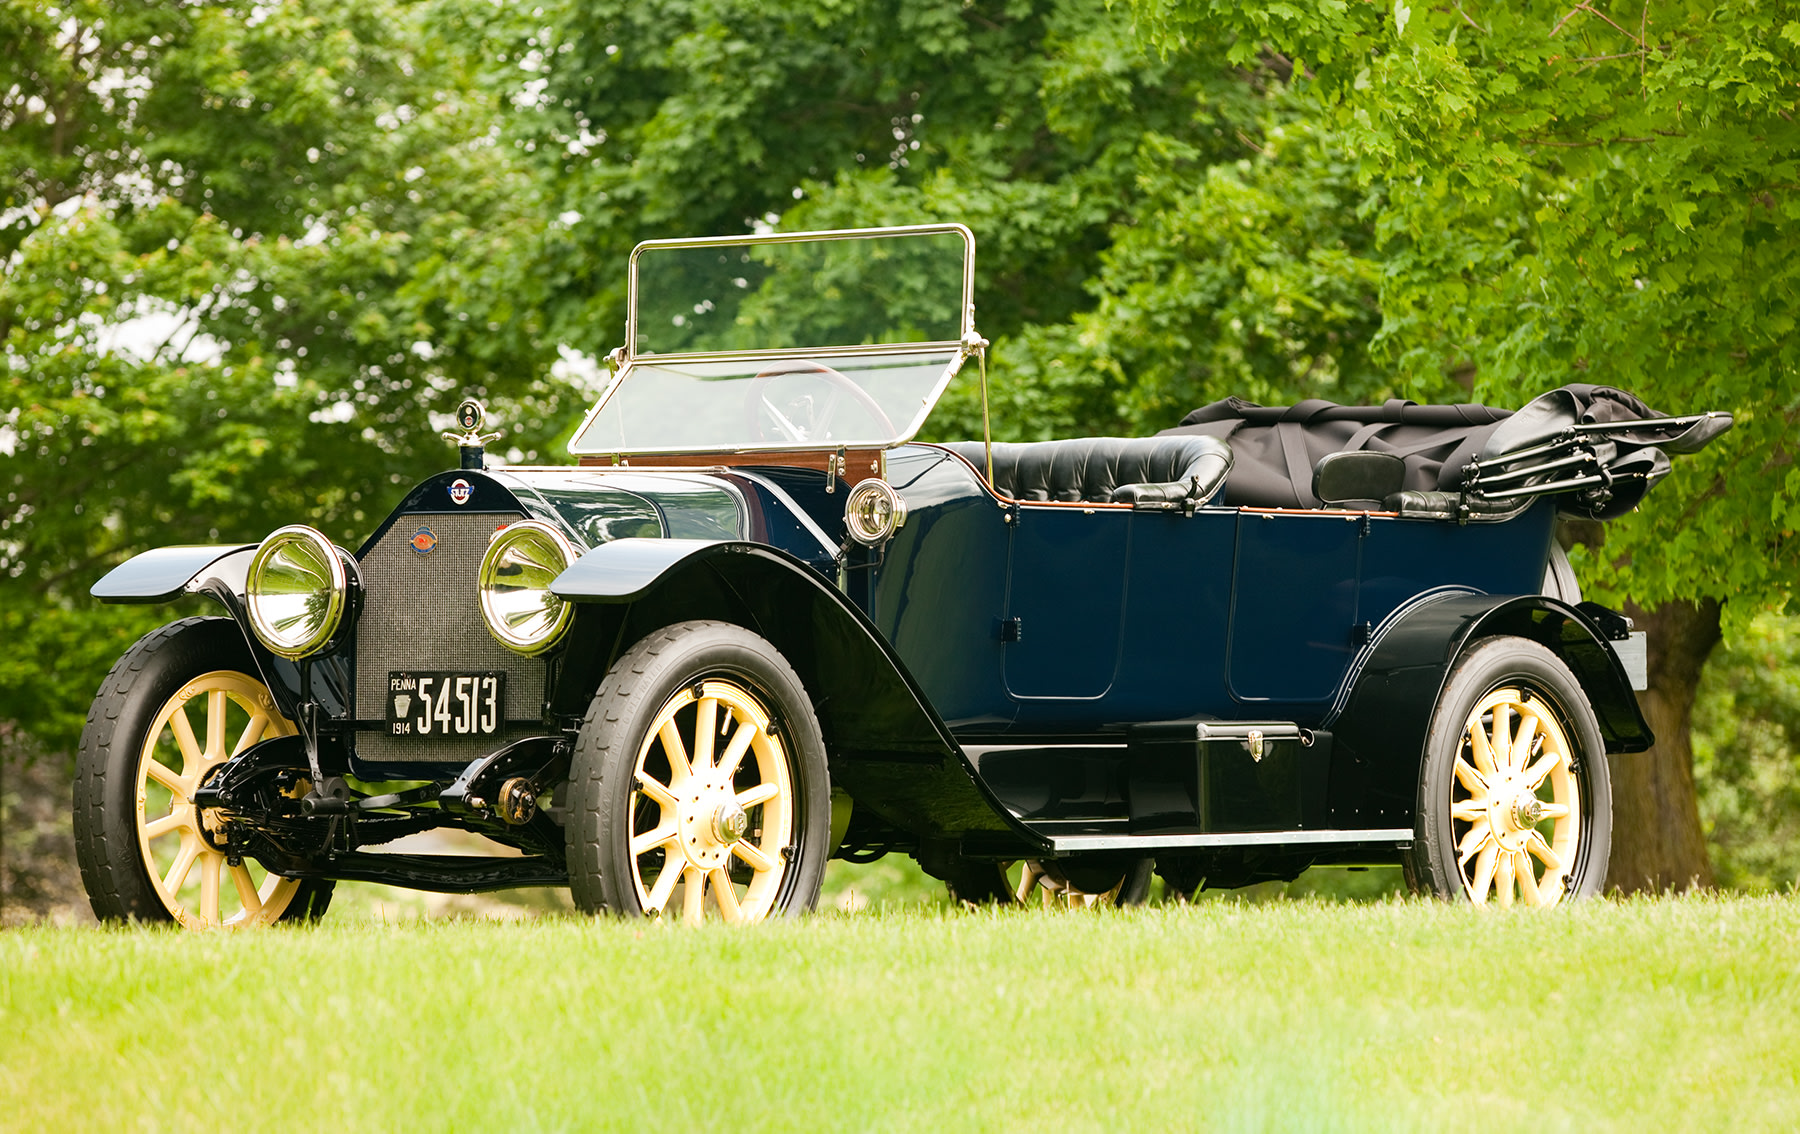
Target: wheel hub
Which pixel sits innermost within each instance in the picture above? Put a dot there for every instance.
(711, 821)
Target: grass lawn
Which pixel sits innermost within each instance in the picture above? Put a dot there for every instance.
(1223, 1015)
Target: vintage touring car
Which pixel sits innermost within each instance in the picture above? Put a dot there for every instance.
(757, 626)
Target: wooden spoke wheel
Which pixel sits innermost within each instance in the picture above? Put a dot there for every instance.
(714, 806)
(698, 786)
(1514, 802)
(209, 720)
(174, 709)
(1515, 806)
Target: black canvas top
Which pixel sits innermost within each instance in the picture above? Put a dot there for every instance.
(1276, 448)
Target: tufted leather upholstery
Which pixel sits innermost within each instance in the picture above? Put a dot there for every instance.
(1104, 470)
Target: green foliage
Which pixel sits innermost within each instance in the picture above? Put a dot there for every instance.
(249, 251)
(1747, 756)
(1565, 193)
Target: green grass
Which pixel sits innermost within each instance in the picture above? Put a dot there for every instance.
(1219, 1015)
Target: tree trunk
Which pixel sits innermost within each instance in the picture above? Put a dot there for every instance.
(1657, 841)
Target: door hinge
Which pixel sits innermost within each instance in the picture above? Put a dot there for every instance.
(1011, 629)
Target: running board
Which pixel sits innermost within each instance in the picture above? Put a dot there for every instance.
(1078, 844)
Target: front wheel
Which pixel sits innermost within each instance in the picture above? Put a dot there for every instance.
(1515, 804)
(699, 783)
(174, 709)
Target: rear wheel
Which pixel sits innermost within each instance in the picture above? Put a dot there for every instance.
(1515, 804)
(180, 703)
(699, 786)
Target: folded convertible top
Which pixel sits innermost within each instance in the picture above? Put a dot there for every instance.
(1598, 447)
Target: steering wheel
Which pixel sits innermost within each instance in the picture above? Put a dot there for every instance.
(762, 413)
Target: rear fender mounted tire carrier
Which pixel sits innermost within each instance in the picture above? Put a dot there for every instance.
(889, 750)
(1383, 714)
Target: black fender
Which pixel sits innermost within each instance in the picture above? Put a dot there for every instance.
(221, 572)
(887, 746)
(164, 574)
(1384, 711)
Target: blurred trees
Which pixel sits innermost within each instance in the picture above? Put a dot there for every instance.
(247, 248)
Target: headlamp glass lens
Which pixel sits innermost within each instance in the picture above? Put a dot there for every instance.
(516, 601)
(296, 591)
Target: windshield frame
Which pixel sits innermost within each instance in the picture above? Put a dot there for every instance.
(966, 306)
(626, 358)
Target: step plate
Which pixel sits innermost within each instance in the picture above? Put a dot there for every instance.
(1078, 844)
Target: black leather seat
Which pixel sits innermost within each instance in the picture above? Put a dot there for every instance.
(1105, 470)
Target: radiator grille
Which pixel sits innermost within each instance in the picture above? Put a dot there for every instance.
(420, 613)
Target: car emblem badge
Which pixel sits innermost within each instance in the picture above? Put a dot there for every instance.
(424, 541)
(460, 491)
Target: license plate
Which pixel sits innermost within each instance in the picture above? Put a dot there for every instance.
(445, 705)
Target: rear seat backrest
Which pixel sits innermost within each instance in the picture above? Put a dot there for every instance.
(1094, 469)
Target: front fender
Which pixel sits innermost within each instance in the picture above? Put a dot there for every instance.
(888, 747)
(1379, 733)
(167, 573)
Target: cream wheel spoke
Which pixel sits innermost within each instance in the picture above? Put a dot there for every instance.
(185, 740)
(657, 790)
(169, 778)
(252, 733)
(1484, 873)
(1500, 741)
(1528, 889)
(665, 885)
(176, 820)
(706, 731)
(1534, 775)
(676, 751)
(1536, 844)
(183, 864)
(1472, 781)
(753, 856)
(725, 896)
(1476, 838)
(1521, 745)
(246, 890)
(216, 702)
(761, 793)
(1468, 810)
(1556, 811)
(735, 749)
(1480, 749)
(650, 840)
(693, 898)
(211, 863)
(1503, 879)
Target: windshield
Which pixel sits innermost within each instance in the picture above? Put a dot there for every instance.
(786, 341)
(800, 290)
(872, 400)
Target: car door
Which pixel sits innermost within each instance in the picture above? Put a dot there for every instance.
(1065, 601)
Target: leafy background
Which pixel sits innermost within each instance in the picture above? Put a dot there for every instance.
(254, 253)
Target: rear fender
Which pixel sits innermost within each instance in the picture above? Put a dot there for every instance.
(887, 746)
(1379, 732)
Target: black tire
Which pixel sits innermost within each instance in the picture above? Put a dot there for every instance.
(1120, 882)
(135, 694)
(1446, 860)
(608, 805)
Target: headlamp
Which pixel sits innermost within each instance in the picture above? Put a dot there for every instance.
(514, 585)
(296, 591)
